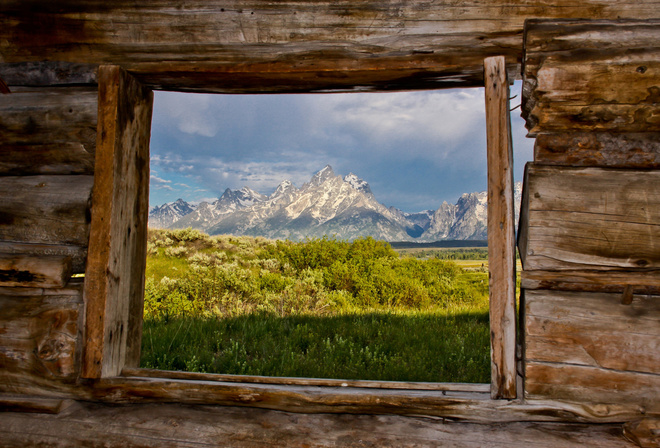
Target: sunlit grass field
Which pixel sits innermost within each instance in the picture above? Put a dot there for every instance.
(320, 308)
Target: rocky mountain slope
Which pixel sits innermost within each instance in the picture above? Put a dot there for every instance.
(329, 205)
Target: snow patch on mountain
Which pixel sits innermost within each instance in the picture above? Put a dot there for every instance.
(329, 205)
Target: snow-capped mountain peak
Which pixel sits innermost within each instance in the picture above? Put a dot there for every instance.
(357, 183)
(320, 177)
(327, 205)
(168, 214)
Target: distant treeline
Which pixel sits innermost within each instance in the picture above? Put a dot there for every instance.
(439, 244)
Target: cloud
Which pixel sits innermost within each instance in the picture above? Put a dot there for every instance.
(414, 148)
(190, 113)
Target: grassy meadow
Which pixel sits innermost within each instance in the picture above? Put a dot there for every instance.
(320, 308)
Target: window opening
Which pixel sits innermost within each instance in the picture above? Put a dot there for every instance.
(294, 304)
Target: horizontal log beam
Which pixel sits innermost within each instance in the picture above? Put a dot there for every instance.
(58, 158)
(455, 387)
(47, 73)
(77, 254)
(45, 209)
(591, 75)
(590, 219)
(48, 116)
(593, 330)
(38, 405)
(255, 46)
(39, 340)
(641, 282)
(602, 149)
(172, 425)
(34, 272)
(593, 385)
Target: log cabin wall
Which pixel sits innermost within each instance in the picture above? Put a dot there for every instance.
(47, 151)
(590, 233)
(589, 236)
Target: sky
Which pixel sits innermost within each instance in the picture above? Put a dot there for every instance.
(415, 149)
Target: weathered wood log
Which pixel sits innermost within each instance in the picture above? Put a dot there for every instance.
(455, 387)
(4, 89)
(593, 385)
(590, 219)
(603, 149)
(501, 232)
(477, 407)
(48, 73)
(641, 282)
(40, 405)
(38, 116)
(585, 75)
(172, 425)
(45, 209)
(77, 254)
(39, 339)
(114, 279)
(252, 46)
(58, 158)
(594, 330)
(36, 272)
(645, 432)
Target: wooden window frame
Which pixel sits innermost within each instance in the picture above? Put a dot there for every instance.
(114, 280)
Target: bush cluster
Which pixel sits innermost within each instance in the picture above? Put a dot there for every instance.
(190, 273)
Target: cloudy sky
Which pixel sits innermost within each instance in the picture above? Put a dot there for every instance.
(415, 149)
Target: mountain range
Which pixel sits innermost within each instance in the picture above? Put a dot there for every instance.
(329, 205)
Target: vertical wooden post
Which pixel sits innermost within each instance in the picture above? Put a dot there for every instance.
(114, 278)
(501, 233)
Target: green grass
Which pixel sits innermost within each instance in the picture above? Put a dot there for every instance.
(434, 346)
(320, 308)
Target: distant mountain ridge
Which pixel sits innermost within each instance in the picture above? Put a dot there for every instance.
(329, 205)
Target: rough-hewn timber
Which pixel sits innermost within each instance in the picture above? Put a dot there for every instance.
(172, 425)
(39, 338)
(77, 254)
(590, 218)
(294, 46)
(45, 209)
(48, 116)
(590, 76)
(52, 271)
(501, 239)
(563, 327)
(114, 283)
(641, 281)
(602, 149)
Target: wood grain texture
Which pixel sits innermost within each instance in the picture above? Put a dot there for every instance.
(641, 282)
(48, 116)
(587, 76)
(77, 254)
(594, 330)
(593, 385)
(601, 149)
(645, 432)
(45, 209)
(590, 219)
(289, 46)
(114, 285)
(34, 272)
(40, 405)
(57, 158)
(365, 384)
(48, 73)
(39, 338)
(172, 425)
(474, 407)
(501, 233)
